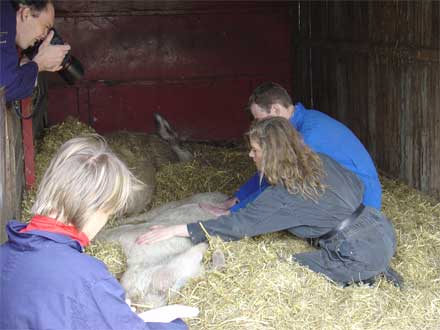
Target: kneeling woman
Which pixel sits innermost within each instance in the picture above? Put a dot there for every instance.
(311, 196)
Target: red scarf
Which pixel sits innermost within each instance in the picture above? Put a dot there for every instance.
(41, 222)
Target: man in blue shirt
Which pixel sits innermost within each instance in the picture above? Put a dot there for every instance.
(22, 24)
(320, 132)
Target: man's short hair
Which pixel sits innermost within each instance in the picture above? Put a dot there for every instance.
(34, 5)
(269, 93)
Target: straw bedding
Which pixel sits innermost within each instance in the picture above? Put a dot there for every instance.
(260, 287)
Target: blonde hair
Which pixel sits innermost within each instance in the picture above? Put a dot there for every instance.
(83, 177)
(286, 160)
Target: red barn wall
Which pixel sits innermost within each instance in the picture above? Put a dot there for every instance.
(194, 62)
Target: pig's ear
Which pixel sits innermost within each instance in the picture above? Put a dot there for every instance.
(168, 134)
(164, 129)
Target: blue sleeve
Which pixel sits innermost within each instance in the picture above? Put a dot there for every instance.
(248, 188)
(19, 81)
(175, 325)
(251, 196)
(373, 191)
(109, 311)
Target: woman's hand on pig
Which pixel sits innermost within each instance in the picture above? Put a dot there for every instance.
(160, 233)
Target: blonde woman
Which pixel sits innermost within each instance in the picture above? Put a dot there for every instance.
(46, 281)
(312, 197)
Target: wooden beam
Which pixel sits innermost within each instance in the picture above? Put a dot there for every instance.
(402, 52)
(28, 143)
(3, 209)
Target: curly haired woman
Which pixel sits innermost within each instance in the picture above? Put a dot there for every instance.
(312, 197)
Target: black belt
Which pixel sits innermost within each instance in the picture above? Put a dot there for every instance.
(341, 226)
(344, 224)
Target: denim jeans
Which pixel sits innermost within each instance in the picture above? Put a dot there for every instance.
(359, 252)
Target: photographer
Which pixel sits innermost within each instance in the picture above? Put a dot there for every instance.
(23, 23)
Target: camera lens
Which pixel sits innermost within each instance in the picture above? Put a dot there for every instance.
(72, 68)
(72, 71)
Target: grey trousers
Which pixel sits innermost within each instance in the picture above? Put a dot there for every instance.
(360, 252)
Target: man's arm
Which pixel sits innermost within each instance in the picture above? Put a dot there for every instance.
(248, 188)
(19, 81)
(247, 193)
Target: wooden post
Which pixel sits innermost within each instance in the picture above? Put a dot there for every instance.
(28, 143)
(11, 166)
(3, 209)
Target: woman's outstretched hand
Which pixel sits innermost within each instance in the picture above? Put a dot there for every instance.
(160, 233)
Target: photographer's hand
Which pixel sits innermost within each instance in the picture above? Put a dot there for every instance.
(50, 57)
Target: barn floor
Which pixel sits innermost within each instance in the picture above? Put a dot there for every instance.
(260, 288)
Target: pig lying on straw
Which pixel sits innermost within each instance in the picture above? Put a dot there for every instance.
(154, 271)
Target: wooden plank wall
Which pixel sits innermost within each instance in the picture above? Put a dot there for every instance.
(11, 167)
(3, 210)
(376, 67)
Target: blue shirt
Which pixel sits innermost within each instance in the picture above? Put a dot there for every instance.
(328, 136)
(46, 282)
(19, 81)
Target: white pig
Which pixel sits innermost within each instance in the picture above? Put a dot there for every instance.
(156, 270)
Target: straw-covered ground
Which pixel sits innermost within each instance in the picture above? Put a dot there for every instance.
(260, 288)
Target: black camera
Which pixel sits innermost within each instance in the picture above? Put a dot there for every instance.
(72, 69)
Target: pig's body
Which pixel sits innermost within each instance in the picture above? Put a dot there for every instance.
(154, 269)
